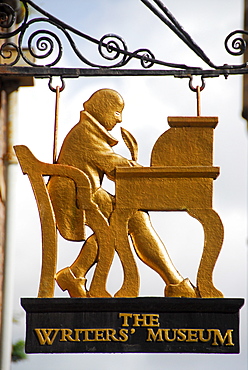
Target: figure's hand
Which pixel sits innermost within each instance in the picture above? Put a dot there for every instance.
(135, 164)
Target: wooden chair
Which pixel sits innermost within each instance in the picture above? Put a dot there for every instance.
(95, 219)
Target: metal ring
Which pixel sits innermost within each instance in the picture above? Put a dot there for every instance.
(192, 88)
(54, 89)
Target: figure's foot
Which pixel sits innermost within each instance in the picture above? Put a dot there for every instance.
(68, 281)
(183, 289)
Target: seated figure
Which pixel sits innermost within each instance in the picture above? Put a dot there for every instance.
(88, 146)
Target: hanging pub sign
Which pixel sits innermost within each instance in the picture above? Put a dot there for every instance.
(188, 317)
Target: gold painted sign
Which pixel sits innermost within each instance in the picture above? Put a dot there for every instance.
(149, 321)
(213, 336)
(180, 178)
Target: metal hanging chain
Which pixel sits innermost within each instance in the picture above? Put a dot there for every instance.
(198, 90)
(57, 90)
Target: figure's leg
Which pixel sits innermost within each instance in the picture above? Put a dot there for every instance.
(153, 253)
(73, 278)
(97, 248)
(87, 257)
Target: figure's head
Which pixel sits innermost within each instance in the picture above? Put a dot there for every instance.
(106, 107)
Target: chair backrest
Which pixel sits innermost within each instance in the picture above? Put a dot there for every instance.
(51, 217)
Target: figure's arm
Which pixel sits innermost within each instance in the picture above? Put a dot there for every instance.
(111, 162)
(130, 163)
(107, 161)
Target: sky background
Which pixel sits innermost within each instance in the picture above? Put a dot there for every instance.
(148, 102)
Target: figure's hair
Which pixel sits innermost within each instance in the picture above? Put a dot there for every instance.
(103, 99)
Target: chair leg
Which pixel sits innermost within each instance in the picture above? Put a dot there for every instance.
(49, 255)
(131, 282)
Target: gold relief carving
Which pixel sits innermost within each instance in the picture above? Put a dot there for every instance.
(47, 336)
(215, 337)
(191, 335)
(180, 178)
(139, 319)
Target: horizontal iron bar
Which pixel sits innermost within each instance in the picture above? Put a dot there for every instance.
(46, 72)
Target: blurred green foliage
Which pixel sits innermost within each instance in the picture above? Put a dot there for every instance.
(18, 353)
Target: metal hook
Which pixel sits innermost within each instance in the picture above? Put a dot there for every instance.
(192, 88)
(197, 89)
(54, 89)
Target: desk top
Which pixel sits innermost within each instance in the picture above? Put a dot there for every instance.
(168, 171)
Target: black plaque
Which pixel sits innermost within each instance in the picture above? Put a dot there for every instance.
(121, 325)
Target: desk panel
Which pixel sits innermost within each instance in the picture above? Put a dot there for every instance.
(163, 194)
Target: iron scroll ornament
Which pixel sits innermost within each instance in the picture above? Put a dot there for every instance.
(112, 48)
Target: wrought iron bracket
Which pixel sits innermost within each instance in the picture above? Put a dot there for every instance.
(47, 72)
(44, 48)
